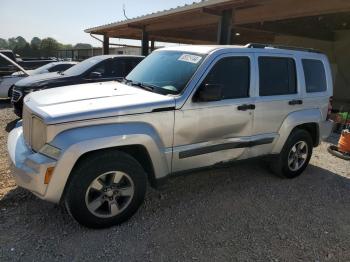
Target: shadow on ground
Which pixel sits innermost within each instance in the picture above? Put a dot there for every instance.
(5, 103)
(241, 212)
(11, 125)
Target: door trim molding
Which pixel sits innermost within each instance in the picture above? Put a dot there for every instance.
(225, 146)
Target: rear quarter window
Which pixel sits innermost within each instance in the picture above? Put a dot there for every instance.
(315, 75)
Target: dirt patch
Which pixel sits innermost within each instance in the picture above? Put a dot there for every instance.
(239, 213)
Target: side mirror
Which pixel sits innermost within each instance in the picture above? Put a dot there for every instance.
(94, 75)
(209, 93)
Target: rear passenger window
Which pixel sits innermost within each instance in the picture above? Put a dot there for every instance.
(233, 74)
(58, 68)
(315, 76)
(277, 76)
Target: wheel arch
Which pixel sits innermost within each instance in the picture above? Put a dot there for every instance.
(308, 120)
(313, 129)
(140, 142)
(9, 92)
(137, 151)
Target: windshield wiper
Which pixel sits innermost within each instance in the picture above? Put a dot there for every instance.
(148, 87)
(61, 73)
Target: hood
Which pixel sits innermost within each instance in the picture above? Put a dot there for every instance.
(39, 80)
(13, 76)
(95, 100)
(20, 73)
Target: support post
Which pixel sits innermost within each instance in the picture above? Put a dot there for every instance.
(105, 45)
(145, 42)
(152, 45)
(225, 28)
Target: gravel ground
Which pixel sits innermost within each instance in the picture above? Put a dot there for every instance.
(238, 213)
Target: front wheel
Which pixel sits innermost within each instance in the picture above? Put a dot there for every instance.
(295, 155)
(106, 189)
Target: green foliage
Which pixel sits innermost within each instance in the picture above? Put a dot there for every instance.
(37, 47)
(3, 43)
(49, 46)
(35, 43)
(82, 46)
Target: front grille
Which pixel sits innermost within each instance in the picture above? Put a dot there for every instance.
(34, 130)
(16, 95)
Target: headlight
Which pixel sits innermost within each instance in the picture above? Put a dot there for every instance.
(38, 133)
(50, 151)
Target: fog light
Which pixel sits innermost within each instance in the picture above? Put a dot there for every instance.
(48, 175)
(50, 151)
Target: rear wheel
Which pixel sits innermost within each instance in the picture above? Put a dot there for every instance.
(295, 155)
(106, 189)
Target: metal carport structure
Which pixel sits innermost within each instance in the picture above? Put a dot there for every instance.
(320, 24)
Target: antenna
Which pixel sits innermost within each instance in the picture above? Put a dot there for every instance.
(125, 12)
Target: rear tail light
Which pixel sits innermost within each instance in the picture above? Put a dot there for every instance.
(330, 107)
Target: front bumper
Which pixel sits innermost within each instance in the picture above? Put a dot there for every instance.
(28, 168)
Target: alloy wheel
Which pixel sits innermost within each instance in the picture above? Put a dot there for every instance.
(298, 156)
(109, 194)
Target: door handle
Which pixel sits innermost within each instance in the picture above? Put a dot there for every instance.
(246, 107)
(295, 102)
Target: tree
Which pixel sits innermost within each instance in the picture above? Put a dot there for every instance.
(37, 47)
(49, 46)
(20, 42)
(82, 46)
(12, 43)
(21, 46)
(35, 43)
(68, 46)
(3, 43)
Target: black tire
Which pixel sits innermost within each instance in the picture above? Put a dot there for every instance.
(280, 165)
(88, 171)
(332, 149)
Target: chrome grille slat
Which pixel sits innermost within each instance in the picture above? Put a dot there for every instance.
(16, 95)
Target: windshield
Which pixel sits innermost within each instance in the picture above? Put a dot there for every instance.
(43, 68)
(82, 67)
(166, 70)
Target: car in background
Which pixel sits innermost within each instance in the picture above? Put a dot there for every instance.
(95, 69)
(7, 68)
(7, 82)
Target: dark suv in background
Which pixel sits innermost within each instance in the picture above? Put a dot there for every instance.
(95, 69)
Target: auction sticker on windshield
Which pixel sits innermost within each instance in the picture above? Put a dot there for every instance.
(194, 59)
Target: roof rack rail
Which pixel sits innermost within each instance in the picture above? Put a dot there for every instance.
(295, 48)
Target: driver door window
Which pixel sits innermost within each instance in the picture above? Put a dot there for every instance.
(118, 68)
(233, 75)
(101, 68)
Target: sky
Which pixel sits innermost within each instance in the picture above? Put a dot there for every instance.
(65, 20)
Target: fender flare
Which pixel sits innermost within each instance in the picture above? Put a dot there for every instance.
(78, 141)
(293, 120)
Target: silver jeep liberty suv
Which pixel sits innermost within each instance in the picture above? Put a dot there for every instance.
(95, 147)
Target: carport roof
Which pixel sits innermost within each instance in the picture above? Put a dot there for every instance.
(254, 20)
